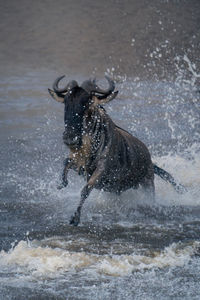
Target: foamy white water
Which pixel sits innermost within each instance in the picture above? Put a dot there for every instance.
(46, 262)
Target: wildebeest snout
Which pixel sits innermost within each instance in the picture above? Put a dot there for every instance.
(71, 138)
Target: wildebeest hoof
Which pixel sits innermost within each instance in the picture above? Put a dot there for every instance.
(62, 185)
(75, 219)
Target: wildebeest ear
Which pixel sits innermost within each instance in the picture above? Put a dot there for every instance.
(56, 97)
(102, 100)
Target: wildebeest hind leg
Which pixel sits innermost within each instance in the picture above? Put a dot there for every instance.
(149, 188)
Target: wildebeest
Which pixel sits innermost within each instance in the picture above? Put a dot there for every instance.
(110, 158)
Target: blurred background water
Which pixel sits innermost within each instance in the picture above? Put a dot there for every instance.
(125, 247)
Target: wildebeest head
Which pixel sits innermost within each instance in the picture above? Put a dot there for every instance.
(77, 99)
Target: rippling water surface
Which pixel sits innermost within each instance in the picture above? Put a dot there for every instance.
(126, 247)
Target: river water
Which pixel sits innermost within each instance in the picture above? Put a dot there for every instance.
(125, 246)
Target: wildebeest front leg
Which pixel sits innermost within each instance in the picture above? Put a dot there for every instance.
(68, 164)
(75, 219)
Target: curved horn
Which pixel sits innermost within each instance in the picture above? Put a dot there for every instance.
(68, 87)
(90, 86)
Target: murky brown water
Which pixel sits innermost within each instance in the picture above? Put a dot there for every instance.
(125, 247)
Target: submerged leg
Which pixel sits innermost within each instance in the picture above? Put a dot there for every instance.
(149, 188)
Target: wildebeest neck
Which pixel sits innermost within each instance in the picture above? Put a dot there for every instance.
(98, 125)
